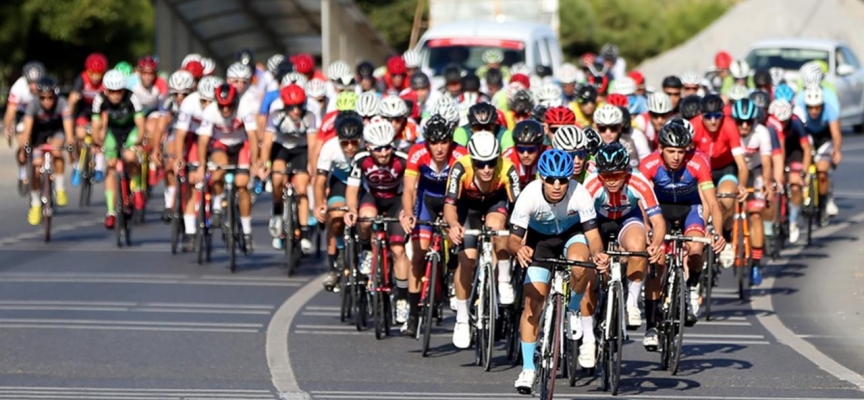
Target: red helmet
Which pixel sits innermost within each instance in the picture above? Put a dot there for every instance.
(521, 78)
(226, 95)
(96, 62)
(293, 95)
(600, 82)
(303, 63)
(148, 64)
(637, 77)
(588, 59)
(396, 65)
(722, 60)
(560, 116)
(617, 99)
(195, 68)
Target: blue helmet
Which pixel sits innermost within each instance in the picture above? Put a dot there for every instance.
(555, 163)
(744, 109)
(784, 92)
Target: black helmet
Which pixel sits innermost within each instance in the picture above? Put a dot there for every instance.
(438, 129)
(521, 103)
(760, 98)
(33, 71)
(284, 67)
(419, 80)
(349, 127)
(494, 77)
(365, 69)
(690, 106)
(712, 103)
(528, 132)
(470, 83)
(626, 119)
(612, 157)
(482, 114)
(245, 57)
(672, 81)
(47, 84)
(674, 135)
(539, 113)
(543, 71)
(592, 138)
(586, 94)
(762, 78)
(452, 74)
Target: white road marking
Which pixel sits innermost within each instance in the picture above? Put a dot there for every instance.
(133, 323)
(176, 280)
(320, 313)
(24, 392)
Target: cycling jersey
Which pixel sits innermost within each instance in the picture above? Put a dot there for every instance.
(722, 146)
(230, 131)
(290, 133)
(121, 116)
(635, 191)
(462, 184)
(149, 97)
(581, 119)
(830, 96)
(332, 159)
(818, 127)
(267, 101)
(636, 145)
(381, 181)
(88, 90)
(327, 130)
(532, 212)
(681, 186)
(409, 134)
(430, 180)
(20, 95)
(190, 114)
(756, 145)
(311, 107)
(527, 173)
(47, 123)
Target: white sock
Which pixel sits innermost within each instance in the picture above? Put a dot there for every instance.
(635, 289)
(189, 221)
(588, 329)
(100, 162)
(59, 182)
(22, 173)
(35, 198)
(217, 202)
(246, 223)
(461, 310)
(170, 191)
(504, 271)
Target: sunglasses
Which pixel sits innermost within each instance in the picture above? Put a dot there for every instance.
(527, 149)
(352, 142)
(485, 164)
(114, 91)
(394, 119)
(586, 101)
(382, 149)
(658, 115)
(713, 115)
(577, 153)
(557, 179)
(610, 128)
(42, 98)
(613, 176)
(486, 127)
(440, 141)
(293, 108)
(691, 88)
(673, 94)
(744, 121)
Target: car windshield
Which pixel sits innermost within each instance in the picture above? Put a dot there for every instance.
(786, 58)
(468, 53)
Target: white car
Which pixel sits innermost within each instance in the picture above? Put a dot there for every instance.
(845, 71)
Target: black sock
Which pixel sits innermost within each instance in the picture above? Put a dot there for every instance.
(414, 303)
(693, 280)
(401, 289)
(650, 313)
(304, 231)
(278, 208)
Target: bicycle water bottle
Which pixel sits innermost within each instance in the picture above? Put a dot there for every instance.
(259, 186)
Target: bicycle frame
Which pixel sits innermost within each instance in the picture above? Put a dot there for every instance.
(483, 288)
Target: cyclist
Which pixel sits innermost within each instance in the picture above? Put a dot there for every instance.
(230, 139)
(554, 217)
(690, 107)
(682, 183)
(480, 188)
(568, 76)
(631, 138)
(180, 86)
(494, 82)
(520, 107)
(672, 86)
(118, 123)
(47, 119)
(493, 59)
(394, 110)
(396, 76)
(556, 117)
(528, 137)
(292, 128)
(368, 105)
(797, 153)
(481, 117)
(691, 82)
(334, 165)
(21, 94)
(822, 123)
(345, 101)
(573, 141)
(739, 70)
(149, 93)
(365, 77)
(380, 169)
(615, 64)
(317, 102)
(452, 83)
(424, 190)
(586, 103)
(620, 196)
(87, 86)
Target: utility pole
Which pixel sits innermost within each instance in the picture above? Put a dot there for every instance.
(418, 21)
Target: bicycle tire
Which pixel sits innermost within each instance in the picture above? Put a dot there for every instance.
(708, 284)
(547, 391)
(228, 228)
(177, 227)
(677, 341)
(572, 351)
(491, 310)
(47, 204)
(288, 229)
(119, 211)
(740, 264)
(377, 295)
(84, 196)
(812, 208)
(429, 306)
(200, 236)
(514, 346)
(617, 344)
(344, 291)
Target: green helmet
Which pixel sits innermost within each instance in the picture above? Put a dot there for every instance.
(124, 67)
(346, 101)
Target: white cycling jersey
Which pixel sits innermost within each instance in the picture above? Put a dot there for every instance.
(312, 107)
(230, 131)
(756, 145)
(533, 212)
(332, 159)
(19, 94)
(189, 117)
(149, 97)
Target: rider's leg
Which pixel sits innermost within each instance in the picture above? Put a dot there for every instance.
(219, 157)
(301, 183)
(796, 197)
(109, 150)
(536, 289)
(464, 280)
(401, 263)
(632, 238)
(728, 184)
(244, 201)
(189, 215)
(497, 220)
(584, 282)
(59, 168)
(277, 179)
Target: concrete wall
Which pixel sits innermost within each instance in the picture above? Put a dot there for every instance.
(348, 35)
(173, 39)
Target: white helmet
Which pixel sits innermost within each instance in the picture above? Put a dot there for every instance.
(811, 73)
(181, 81)
(739, 69)
(411, 58)
(569, 138)
(295, 78)
(209, 65)
(114, 80)
(520, 68)
(625, 86)
(273, 63)
(777, 74)
(338, 69)
(550, 95)
(493, 56)
(442, 101)
(379, 133)
(780, 109)
(813, 95)
(737, 92)
(189, 58)
(345, 82)
(367, 104)
(691, 78)
(659, 103)
(568, 73)
(239, 71)
(207, 87)
(483, 146)
(608, 114)
(393, 107)
(315, 89)
(449, 112)
(682, 121)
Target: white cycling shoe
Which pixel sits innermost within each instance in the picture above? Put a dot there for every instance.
(634, 316)
(794, 233)
(525, 382)
(587, 355)
(506, 296)
(462, 335)
(727, 257)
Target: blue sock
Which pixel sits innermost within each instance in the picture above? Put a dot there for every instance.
(340, 242)
(794, 212)
(575, 300)
(528, 355)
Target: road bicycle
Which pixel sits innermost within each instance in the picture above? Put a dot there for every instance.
(432, 285)
(483, 298)
(381, 286)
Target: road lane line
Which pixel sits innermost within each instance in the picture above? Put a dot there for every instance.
(148, 281)
(244, 392)
(313, 327)
(128, 328)
(320, 313)
(118, 322)
(323, 308)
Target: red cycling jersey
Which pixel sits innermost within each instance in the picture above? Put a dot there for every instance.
(328, 126)
(722, 146)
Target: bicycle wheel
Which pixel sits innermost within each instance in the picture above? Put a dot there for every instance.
(491, 311)
(228, 230)
(288, 229)
(429, 303)
(203, 229)
(708, 282)
(119, 211)
(679, 305)
(377, 294)
(84, 196)
(514, 316)
(177, 216)
(811, 210)
(572, 354)
(615, 346)
(344, 290)
(547, 382)
(47, 204)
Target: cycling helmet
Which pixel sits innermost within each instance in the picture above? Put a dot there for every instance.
(412, 59)
(368, 104)
(315, 89)
(520, 68)
(737, 92)
(207, 87)
(483, 146)
(494, 77)
(612, 157)
(338, 69)
(393, 107)
(539, 113)
(419, 80)
(784, 92)
(762, 78)
(226, 95)
(528, 132)
(760, 98)
(379, 133)
(449, 112)
(618, 100)
(550, 95)
(245, 57)
(592, 140)
(195, 68)
(672, 81)
(470, 83)
(33, 71)
(493, 56)
(683, 122)
(346, 101)
(239, 71)
(345, 82)
(609, 51)
(209, 66)
(189, 58)
(568, 74)
(521, 103)
(569, 138)
(712, 103)
(293, 95)
(181, 81)
(396, 65)
(637, 77)
(814, 96)
(295, 78)
(691, 78)
(284, 68)
(542, 71)
(47, 84)
(776, 74)
(349, 127)
(560, 116)
(690, 106)
(365, 69)
(780, 109)
(452, 74)
(739, 69)
(114, 80)
(273, 63)
(722, 60)
(437, 129)
(659, 103)
(96, 63)
(811, 73)
(148, 63)
(304, 63)
(482, 114)
(555, 163)
(608, 114)
(744, 109)
(625, 86)
(626, 119)
(125, 68)
(674, 135)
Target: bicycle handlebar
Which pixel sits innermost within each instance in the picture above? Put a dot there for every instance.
(566, 262)
(434, 224)
(378, 219)
(682, 238)
(614, 253)
(486, 232)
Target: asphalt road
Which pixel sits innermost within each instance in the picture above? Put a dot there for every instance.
(80, 318)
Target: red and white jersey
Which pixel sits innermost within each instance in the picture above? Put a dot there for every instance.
(20, 94)
(756, 145)
(230, 131)
(189, 117)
